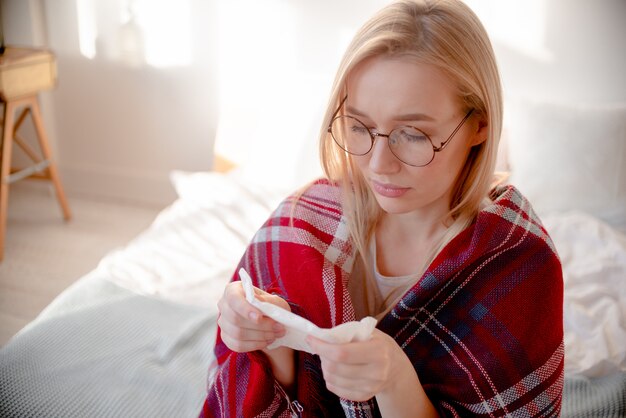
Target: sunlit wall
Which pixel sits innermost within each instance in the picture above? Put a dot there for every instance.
(136, 95)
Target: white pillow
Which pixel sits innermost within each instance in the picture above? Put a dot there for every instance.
(569, 157)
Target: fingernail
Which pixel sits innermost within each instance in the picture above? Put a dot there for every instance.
(253, 315)
(278, 327)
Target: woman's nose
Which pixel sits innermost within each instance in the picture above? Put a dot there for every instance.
(382, 159)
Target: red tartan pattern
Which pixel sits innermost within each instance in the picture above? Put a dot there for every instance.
(483, 326)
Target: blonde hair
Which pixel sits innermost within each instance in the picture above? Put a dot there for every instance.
(449, 36)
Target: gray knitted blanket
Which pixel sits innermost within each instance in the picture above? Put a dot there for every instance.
(601, 397)
(103, 351)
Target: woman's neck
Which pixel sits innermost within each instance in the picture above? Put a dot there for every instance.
(404, 243)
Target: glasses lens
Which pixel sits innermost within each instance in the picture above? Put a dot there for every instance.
(411, 146)
(351, 135)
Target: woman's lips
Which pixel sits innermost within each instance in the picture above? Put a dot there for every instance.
(388, 190)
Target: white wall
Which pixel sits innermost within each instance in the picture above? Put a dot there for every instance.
(123, 123)
(565, 51)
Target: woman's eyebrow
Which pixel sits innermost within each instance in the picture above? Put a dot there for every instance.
(355, 112)
(404, 117)
(414, 116)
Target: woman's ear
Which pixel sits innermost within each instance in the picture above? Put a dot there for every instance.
(481, 131)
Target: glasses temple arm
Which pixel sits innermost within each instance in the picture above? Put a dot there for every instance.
(337, 111)
(444, 143)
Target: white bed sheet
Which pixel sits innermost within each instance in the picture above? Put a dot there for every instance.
(594, 268)
(193, 247)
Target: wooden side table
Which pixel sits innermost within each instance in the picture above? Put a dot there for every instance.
(24, 72)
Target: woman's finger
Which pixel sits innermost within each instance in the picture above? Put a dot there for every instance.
(374, 350)
(243, 346)
(274, 300)
(234, 298)
(262, 324)
(351, 372)
(248, 334)
(351, 353)
(231, 320)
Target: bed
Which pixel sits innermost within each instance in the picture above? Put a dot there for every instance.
(133, 337)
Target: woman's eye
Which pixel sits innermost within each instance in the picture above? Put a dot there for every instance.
(359, 129)
(413, 136)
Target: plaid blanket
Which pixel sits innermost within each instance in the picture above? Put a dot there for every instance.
(482, 327)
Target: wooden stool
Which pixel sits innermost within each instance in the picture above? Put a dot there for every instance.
(23, 73)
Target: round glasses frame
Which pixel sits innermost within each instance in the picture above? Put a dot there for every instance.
(373, 135)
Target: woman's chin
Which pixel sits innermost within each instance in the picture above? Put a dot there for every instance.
(393, 206)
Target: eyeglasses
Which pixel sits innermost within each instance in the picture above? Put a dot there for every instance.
(407, 143)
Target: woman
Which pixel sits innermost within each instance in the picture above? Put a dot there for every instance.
(410, 227)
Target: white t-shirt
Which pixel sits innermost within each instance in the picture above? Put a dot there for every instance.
(373, 293)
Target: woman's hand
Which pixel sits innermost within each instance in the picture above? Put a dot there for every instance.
(243, 327)
(360, 370)
(377, 367)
